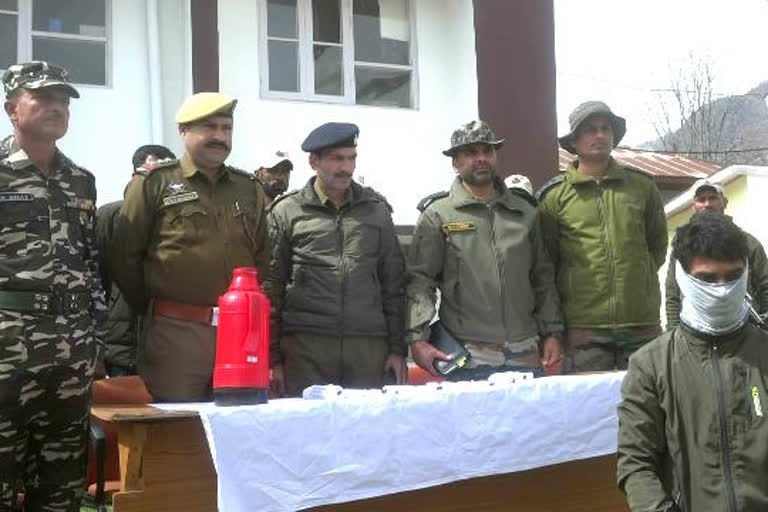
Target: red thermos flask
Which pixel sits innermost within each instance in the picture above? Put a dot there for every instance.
(241, 375)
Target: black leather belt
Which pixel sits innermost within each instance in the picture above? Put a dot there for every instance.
(45, 303)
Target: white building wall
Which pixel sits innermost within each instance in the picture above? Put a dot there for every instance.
(108, 123)
(399, 151)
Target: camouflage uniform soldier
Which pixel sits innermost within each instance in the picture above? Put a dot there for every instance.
(481, 245)
(605, 229)
(182, 230)
(51, 301)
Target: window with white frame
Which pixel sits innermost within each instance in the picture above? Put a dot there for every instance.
(342, 51)
(69, 33)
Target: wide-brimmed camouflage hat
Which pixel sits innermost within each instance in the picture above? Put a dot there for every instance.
(582, 112)
(36, 75)
(474, 132)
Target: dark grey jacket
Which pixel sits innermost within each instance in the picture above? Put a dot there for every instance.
(335, 271)
(122, 324)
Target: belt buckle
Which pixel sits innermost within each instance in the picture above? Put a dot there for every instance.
(71, 304)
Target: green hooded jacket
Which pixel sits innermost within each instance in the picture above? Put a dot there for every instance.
(607, 239)
(693, 423)
(495, 278)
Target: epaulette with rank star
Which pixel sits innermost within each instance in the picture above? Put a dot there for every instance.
(549, 185)
(431, 198)
(160, 164)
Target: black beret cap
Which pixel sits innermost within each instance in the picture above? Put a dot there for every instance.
(331, 135)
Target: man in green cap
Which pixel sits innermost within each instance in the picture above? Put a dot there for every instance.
(52, 307)
(481, 245)
(605, 229)
(182, 230)
(337, 272)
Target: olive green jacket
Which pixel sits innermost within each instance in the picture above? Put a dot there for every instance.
(335, 271)
(758, 282)
(693, 423)
(496, 281)
(607, 239)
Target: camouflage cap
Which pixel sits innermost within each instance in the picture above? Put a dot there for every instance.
(204, 104)
(474, 132)
(36, 75)
(582, 112)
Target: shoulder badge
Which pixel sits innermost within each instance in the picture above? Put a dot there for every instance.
(281, 197)
(431, 198)
(166, 162)
(638, 171)
(549, 185)
(525, 195)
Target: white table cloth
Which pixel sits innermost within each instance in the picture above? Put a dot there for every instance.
(292, 454)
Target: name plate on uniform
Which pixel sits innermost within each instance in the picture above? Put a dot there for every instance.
(180, 198)
(15, 197)
(456, 227)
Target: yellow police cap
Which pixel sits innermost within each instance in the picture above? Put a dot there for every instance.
(204, 104)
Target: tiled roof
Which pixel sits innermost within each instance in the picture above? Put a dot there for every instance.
(661, 165)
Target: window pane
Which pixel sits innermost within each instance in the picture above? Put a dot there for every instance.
(328, 74)
(283, 66)
(9, 5)
(382, 31)
(281, 18)
(383, 87)
(83, 17)
(8, 28)
(85, 60)
(326, 21)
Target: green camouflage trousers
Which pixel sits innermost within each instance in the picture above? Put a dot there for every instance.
(46, 368)
(490, 358)
(593, 350)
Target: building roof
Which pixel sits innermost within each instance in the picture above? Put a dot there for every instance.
(668, 169)
(722, 177)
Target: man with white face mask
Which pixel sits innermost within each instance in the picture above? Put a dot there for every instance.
(709, 196)
(693, 432)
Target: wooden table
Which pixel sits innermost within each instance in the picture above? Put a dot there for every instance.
(165, 465)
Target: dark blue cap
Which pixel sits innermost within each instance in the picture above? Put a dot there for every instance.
(331, 135)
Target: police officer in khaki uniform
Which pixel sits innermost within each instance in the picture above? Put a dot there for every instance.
(182, 230)
(481, 245)
(337, 273)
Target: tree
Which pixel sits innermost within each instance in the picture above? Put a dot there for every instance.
(692, 119)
